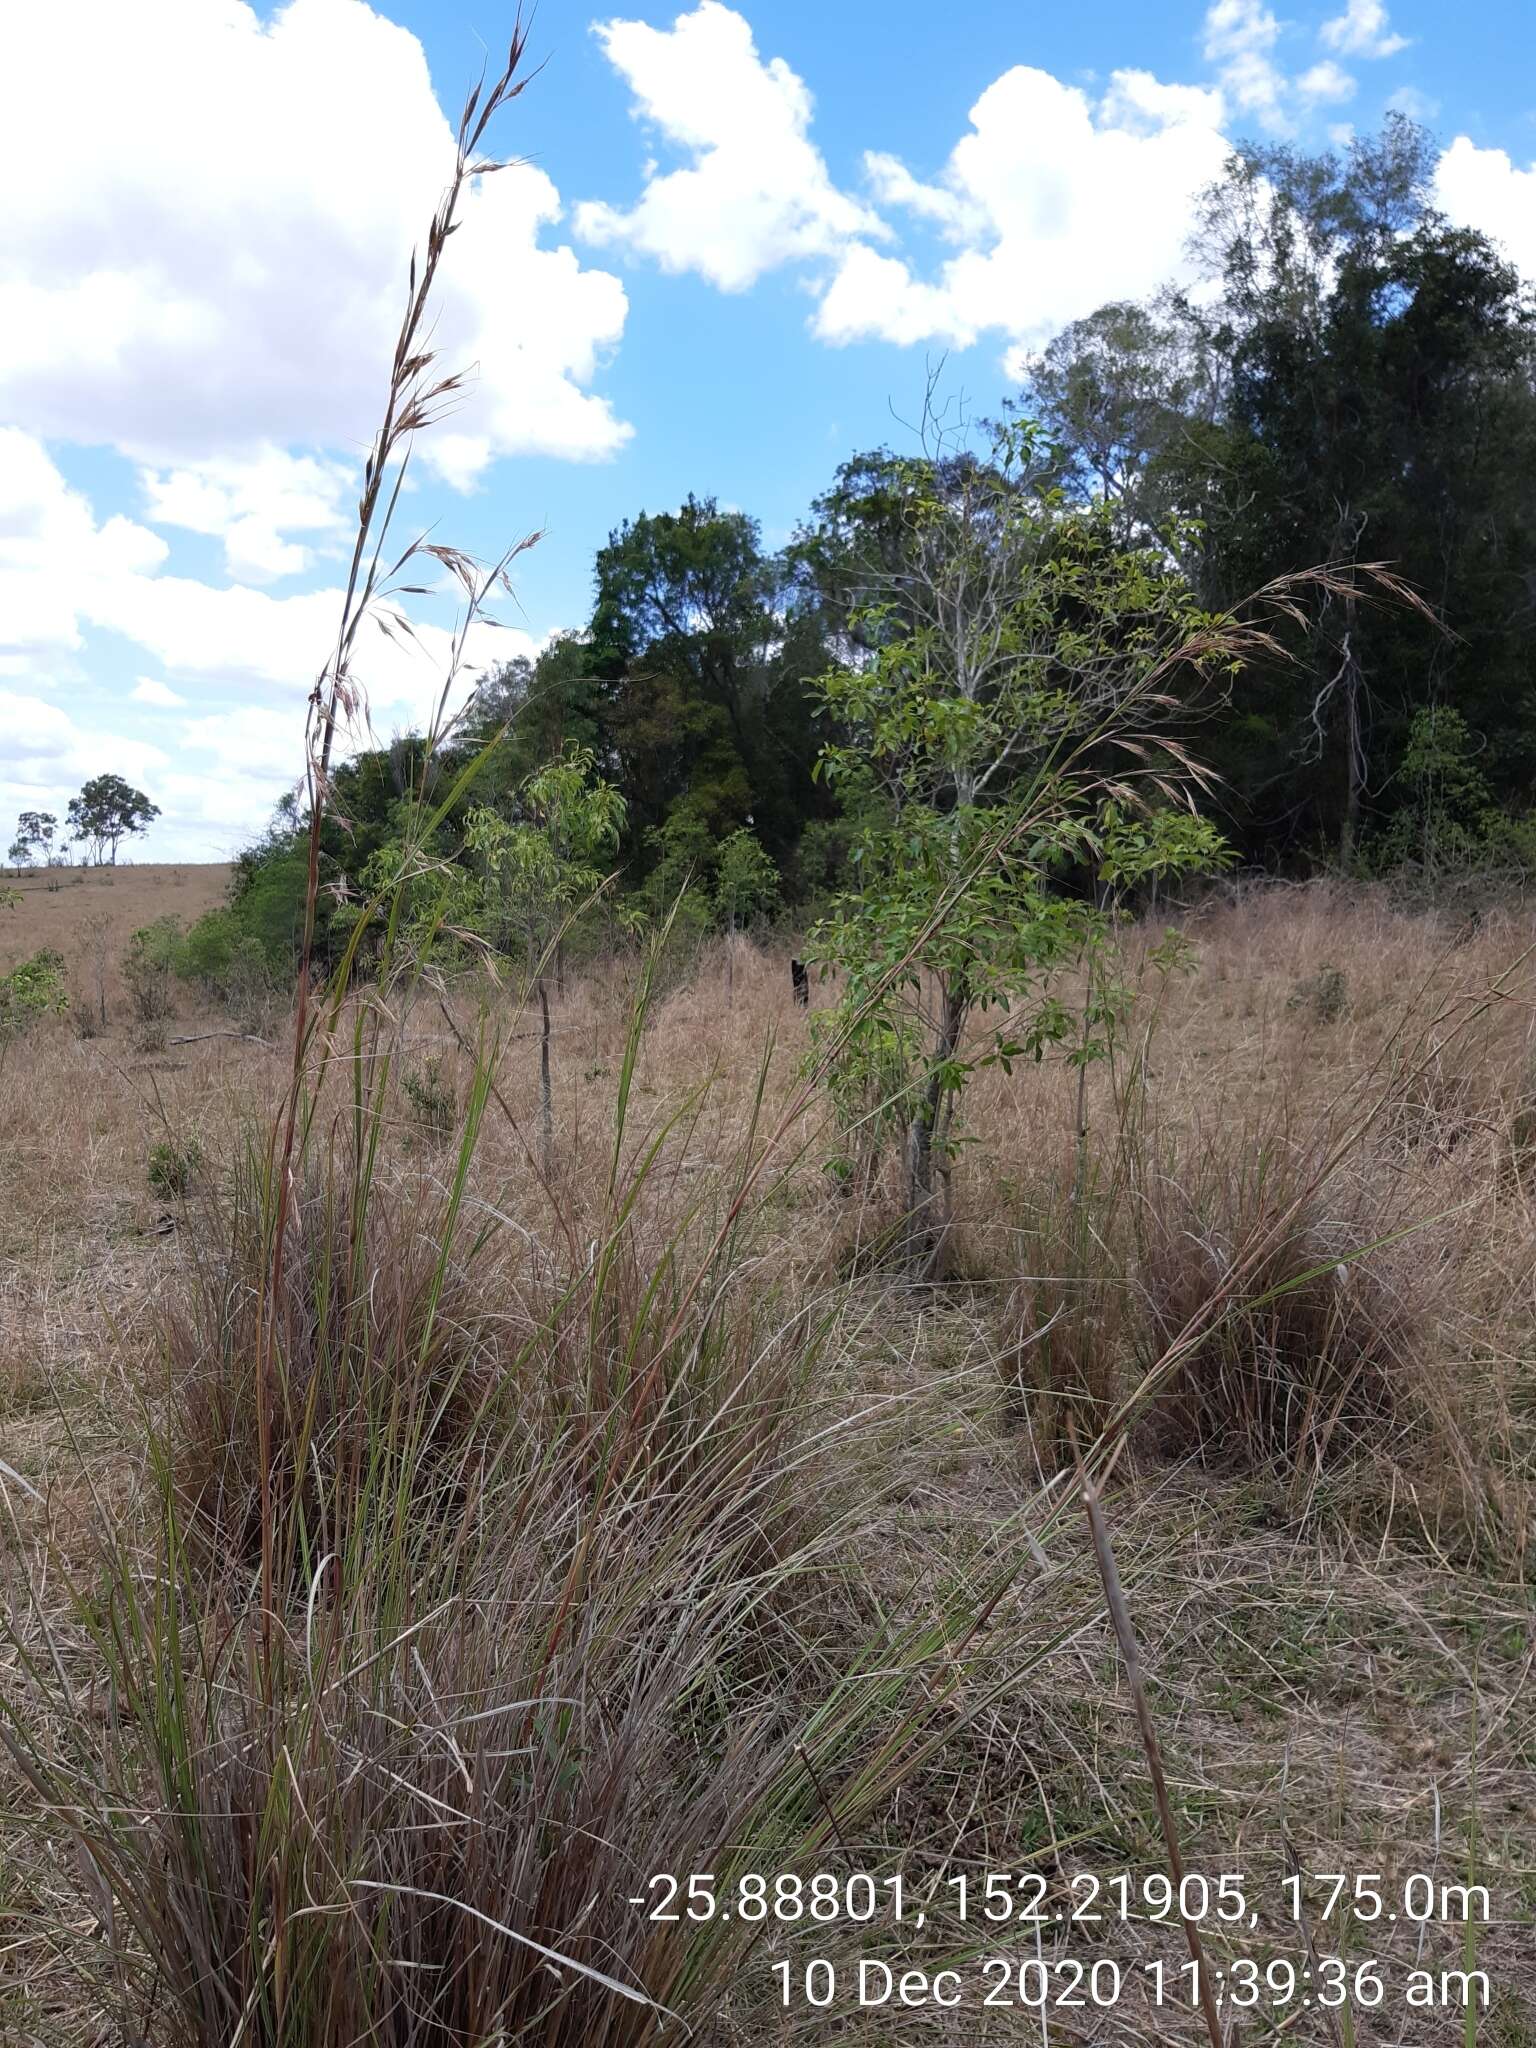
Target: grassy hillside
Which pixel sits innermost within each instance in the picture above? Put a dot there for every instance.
(84, 913)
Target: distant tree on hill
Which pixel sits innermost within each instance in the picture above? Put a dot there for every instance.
(34, 838)
(107, 811)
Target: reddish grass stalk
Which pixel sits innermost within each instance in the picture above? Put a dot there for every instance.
(412, 401)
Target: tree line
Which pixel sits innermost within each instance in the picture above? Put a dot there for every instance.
(1350, 382)
(1354, 379)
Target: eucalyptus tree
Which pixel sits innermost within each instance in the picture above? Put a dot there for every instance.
(107, 811)
(35, 832)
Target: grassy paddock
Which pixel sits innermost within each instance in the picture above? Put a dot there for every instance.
(616, 1524)
(66, 908)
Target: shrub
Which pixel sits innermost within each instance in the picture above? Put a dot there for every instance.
(230, 966)
(149, 967)
(210, 948)
(433, 1098)
(173, 1165)
(31, 990)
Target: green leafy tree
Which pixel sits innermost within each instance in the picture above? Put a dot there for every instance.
(1355, 383)
(1023, 646)
(545, 860)
(538, 867)
(35, 832)
(703, 665)
(107, 811)
(675, 896)
(746, 886)
(746, 880)
(534, 709)
(1447, 820)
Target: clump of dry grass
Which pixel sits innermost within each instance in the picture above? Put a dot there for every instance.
(1339, 1198)
(380, 1362)
(418, 1808)
(1069, 1320)
(1322, 1337)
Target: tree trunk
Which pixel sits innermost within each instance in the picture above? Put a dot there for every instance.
(546, 1092)
(1351, 829)
(1353, 745)
(928, 1217)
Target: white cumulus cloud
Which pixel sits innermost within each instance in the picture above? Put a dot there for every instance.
(1057, 203)
(51, 551)
(1051, 203)
(1362, 30)
(211, 261)
(756, 192)
(1326, 81)
(49, 752)
(254, 502)
(1240, 39)
(1486, 189)
(242, 659)
(149, 690)
(62, 573)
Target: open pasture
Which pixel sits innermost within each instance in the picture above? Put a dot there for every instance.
(686, 1345)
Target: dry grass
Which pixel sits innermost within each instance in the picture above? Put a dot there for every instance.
(83, 911)
(1329, 1642)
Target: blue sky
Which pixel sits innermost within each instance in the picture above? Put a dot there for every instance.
(738, 235)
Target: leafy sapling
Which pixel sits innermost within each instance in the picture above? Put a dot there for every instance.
(539, 867)
(1014, 667)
